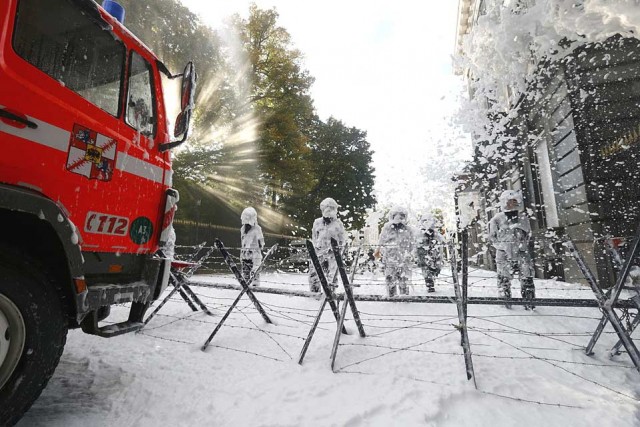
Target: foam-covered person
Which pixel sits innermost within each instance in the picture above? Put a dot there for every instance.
(324, 228)
(429, 250)
(509, 233)
(633, 279)
(396, 246)
(252, 242)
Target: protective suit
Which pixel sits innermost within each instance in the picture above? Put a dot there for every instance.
(633, 279)
(397, 245)
(509, 233)
(252, 242)
(323, 230)
(371, 261)
(430, 244)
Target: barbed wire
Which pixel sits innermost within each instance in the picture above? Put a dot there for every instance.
(381, 281)
(410, 348)
(288, 313)
(400, 349)
(562, 368)
(268, 334)
(355, 245)
(548, 334)
(441, 280)
(227, 324)
(490, 393)
(212, 345)
(534, 333)
(147, 328)
(371, 316)
(383, 324)
(381, 284)
(489, 356)
(537, 315)
(417, 326)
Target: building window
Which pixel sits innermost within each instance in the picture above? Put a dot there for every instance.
(545, 178)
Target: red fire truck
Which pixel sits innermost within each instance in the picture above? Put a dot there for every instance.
(85, 181)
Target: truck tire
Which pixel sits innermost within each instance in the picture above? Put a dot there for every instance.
(33, 331)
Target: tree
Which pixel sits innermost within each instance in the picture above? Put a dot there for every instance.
(256, 138)
(278, 95)
(214, 155)
(176, 35)
(341, 166)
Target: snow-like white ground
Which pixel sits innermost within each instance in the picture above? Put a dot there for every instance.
(531, 369)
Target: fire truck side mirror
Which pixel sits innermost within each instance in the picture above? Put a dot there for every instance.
(187, 94)
(186, 101)
(182, 123)
(188, 86)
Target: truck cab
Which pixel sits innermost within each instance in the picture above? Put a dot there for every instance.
(85, 181)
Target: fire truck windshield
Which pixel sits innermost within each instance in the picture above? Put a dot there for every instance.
(68, 46)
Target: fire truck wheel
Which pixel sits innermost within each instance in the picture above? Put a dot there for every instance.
(33, 331)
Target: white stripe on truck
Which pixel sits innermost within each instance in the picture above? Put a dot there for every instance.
(54, 137)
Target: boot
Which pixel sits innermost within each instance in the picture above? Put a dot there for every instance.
(430, 285)
(504, 289)
(404, 289)
(391, 287)
(528, 291)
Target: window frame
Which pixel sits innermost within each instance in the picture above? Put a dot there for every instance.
(152, 85)
(123, 65)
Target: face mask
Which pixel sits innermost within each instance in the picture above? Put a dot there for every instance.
(329, 212)
(511, 214)
(398, 218)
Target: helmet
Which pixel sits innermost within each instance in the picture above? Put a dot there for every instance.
(428, 222)
(398, 215)
(329, 208)
(506, 197)
(249, 216)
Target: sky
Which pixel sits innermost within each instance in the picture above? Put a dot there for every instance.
(385, 68)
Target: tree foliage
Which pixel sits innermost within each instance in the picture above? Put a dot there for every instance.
(279, 95)
(256, 139)
(341, 168)
(177, 35)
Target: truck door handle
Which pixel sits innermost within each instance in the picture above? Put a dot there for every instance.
(16, 118)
